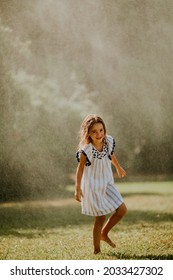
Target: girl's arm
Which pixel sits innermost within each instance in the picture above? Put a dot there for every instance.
(120, 171)
(79, 174)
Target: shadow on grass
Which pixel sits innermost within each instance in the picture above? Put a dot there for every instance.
(137, 216)
(125, 256)
(14, 220)
(140, 193)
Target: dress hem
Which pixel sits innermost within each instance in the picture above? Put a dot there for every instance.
(105, 213)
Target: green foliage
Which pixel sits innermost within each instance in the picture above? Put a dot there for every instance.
(108, 58)
(39, 127)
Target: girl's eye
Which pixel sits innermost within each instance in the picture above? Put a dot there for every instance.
(94, 131)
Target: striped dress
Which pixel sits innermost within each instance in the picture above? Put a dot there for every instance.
(100, 195)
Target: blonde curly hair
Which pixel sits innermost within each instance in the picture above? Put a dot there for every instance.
(86, 125)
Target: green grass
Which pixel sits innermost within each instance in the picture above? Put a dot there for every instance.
(56, 229)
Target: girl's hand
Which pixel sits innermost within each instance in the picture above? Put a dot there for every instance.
(78, 195)
(121, 172)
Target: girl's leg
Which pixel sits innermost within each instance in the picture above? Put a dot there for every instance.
(112, 221)
(99, 221)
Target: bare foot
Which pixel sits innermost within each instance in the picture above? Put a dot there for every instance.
(96, 251)
(107, 240)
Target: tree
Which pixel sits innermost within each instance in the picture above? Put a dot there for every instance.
(38, 126)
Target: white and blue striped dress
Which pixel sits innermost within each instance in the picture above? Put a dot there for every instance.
(100, 195)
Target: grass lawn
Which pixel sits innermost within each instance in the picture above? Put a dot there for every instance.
(56, 229)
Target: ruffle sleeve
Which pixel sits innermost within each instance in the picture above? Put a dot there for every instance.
(111, 145)
(87, 152)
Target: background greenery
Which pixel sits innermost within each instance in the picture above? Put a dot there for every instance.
(61, 60)
(55, 229)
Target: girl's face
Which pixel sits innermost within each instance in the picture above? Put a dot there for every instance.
(97, 133)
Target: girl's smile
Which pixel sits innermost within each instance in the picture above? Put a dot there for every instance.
(97, 135)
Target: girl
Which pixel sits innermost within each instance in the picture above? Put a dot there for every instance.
(95, 187)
